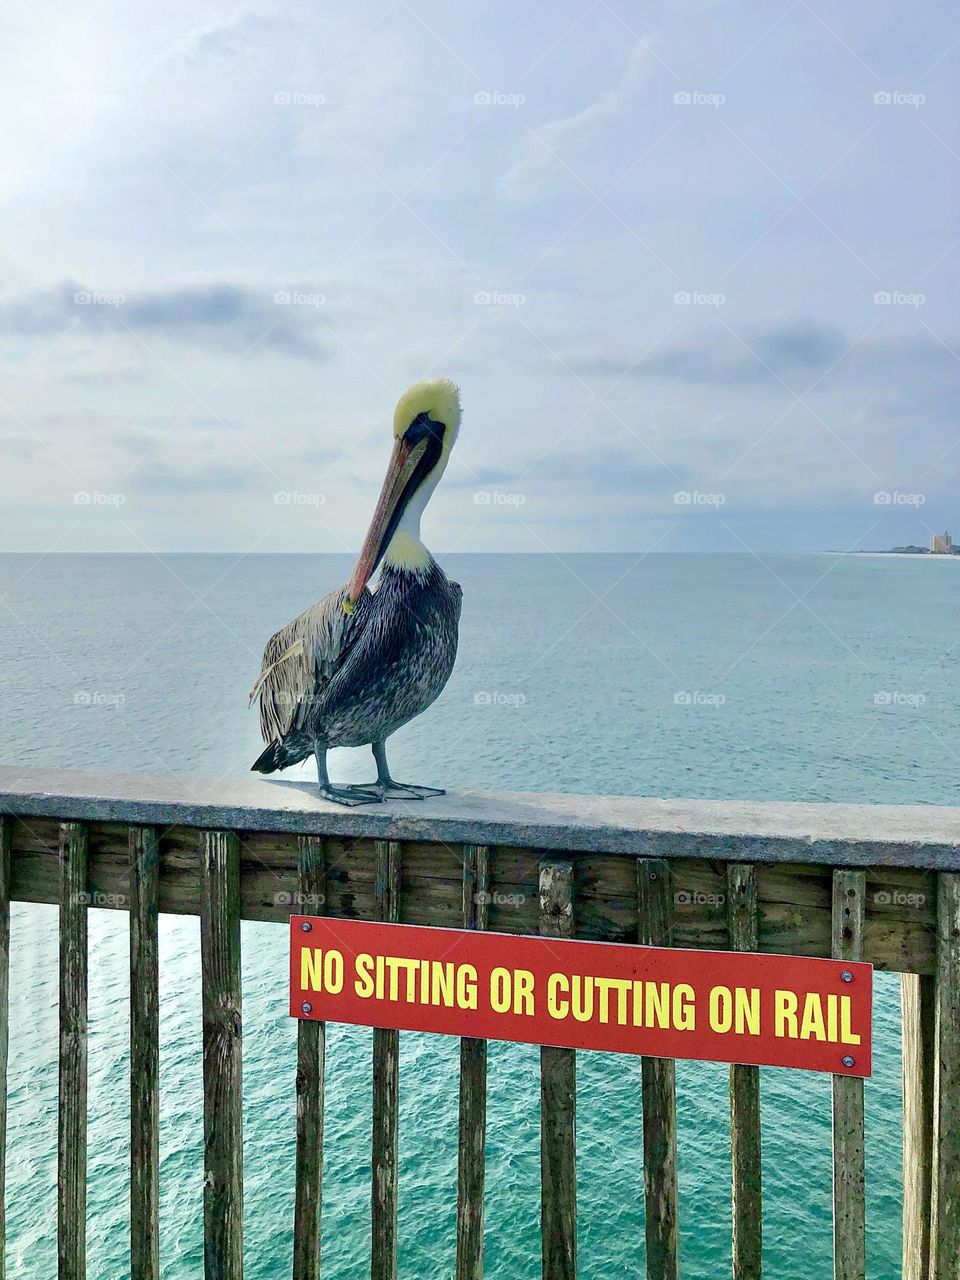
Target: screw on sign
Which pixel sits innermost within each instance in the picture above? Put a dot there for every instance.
(768, 1010)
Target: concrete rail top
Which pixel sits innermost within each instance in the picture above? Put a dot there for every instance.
(925, 836)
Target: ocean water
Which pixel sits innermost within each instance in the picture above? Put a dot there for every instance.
(789, 677)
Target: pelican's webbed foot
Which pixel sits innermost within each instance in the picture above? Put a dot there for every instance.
(350, 796)
(347, 796)
(386, 788)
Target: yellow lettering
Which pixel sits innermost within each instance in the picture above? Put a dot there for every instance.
(523, 992)
(847, 1036)
(721, 1009)
(684, 1008)
(747, 1010)
(364, 983)
(785, 1014)
(558, 987)
(501, 990)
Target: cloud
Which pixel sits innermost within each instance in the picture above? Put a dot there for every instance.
(221, 313)
(799, 348)
(558, 143)
(162, 477)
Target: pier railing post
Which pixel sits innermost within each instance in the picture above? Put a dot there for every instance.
(849, 1193)
(386, 1090)
(945, 1211)
(471, 1160)
(222, 1060)
(558, 1103)
(746, 1194)
(144, 852)
(659, 1085)
(72, 1128)
(311, 1054)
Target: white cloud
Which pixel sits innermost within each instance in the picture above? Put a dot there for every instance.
(560, 143)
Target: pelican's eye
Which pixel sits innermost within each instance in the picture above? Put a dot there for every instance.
(422, 427)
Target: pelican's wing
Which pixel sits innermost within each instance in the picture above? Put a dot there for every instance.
(302, 658)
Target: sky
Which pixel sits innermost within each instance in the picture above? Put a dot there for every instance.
(694, 266)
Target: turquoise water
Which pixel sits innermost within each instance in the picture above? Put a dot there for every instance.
(801, 678)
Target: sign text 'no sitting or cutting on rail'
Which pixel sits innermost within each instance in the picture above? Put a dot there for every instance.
(716, 1006)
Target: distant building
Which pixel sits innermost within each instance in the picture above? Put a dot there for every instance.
(941, 544)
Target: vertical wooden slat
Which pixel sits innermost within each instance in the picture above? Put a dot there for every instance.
(222, 1056)
(747, 1201)
(473, 1089)
(144, 1054)
(72, 1126)
(311, 1053)
(918, 1021)
(945, 1215)
(849, 1202)
(5, 842)
(558, 1102)
(654, 920)
(386, 1091)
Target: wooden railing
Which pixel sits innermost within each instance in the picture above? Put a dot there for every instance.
(876, 883)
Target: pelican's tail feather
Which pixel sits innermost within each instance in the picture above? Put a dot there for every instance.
(280, 755)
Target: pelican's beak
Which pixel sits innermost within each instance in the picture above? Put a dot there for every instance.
(394, 496)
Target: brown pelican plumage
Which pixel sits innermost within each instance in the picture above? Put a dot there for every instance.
(360, 663)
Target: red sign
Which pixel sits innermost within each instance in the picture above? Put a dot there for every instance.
(717, 1006)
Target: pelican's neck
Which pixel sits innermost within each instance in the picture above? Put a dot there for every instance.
(405, 550)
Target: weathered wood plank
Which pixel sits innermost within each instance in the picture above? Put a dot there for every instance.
(144, 1054)
(918, 1022)
(558, 1102)
(945, 1215)
(5, 842)
(311, 1055)
(222, 1057)
(471, 1160)
(747, 1199)
(386, 1091)
(662, 1214)
(849, 1198)
(794, 900)
(72, 1126)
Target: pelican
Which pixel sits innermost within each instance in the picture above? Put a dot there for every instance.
(360, 663)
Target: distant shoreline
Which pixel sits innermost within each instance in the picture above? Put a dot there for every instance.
(893, 555)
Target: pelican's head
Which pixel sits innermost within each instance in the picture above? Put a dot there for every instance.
(425, 426)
